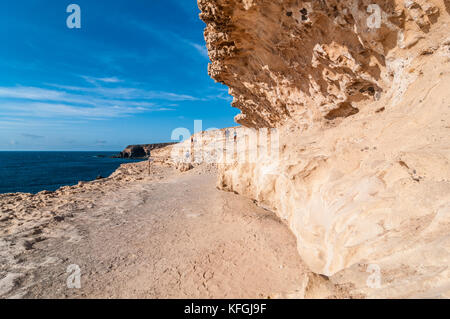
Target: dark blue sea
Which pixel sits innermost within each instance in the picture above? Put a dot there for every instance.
(32, 172)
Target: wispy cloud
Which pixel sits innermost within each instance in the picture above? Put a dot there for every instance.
(32, 136)
(94, 80)
(171, 39)
(10, 121)
(46, 110)
(200, 48)
(30, 93)
(127, 93)
(220, 96)
(84, 102)
(162, 109)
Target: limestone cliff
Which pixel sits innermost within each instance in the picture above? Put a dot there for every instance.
(141, 150)
(359, 92)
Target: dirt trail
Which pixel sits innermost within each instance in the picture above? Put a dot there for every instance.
(170, 236)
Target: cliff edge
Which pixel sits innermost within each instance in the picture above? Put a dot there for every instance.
(359, 93)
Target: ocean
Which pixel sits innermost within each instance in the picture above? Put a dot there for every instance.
(32, 172)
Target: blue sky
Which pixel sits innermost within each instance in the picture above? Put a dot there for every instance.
(135, 71)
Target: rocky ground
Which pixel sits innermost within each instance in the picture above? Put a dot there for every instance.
(138, 235)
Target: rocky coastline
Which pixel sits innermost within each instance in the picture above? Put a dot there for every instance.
(140, 151)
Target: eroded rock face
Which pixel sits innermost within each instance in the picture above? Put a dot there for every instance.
(363, 114)
(309, 60)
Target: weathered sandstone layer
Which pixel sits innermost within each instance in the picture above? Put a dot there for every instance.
(359, 92)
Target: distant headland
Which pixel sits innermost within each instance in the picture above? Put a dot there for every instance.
(140, 150)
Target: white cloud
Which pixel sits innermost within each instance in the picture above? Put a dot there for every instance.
(81, 102)
(200, 48)
(8, 122)
(30, 93)
(127, 93)
(220, 96)
(95, 80)
(172, 39)
(92, 95)
(32, 136)
(45, 110)
(161, 109)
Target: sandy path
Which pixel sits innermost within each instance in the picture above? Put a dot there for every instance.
(175, 236)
